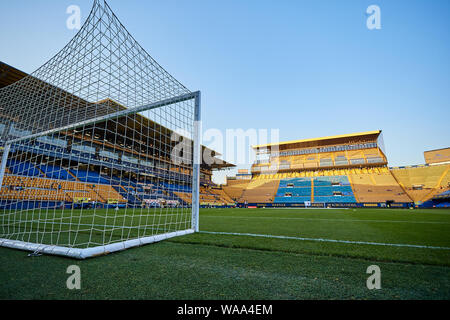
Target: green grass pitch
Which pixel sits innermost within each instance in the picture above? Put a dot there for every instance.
(314, 254)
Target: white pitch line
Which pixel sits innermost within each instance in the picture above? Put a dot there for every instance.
(326, 240)
(303, 208)
(326, 219)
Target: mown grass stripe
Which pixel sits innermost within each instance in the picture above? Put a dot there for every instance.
(325, 219)
(326, 240)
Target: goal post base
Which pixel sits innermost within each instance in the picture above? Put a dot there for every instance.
(78, 253)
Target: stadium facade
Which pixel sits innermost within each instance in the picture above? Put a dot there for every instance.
(89, 167)
(348, 170)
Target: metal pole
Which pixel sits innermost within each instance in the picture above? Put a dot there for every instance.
(3, 163)
(6, 149)
(196, 164)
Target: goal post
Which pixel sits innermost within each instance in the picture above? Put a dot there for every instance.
(25, 218)
(196, 164)
(4, 159)
(100, 148)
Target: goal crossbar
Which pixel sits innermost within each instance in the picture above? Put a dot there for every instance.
(118, 114)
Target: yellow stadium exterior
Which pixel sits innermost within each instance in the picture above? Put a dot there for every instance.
(359, 158)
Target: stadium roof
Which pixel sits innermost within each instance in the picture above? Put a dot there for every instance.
(440, 149)
(437, 156)
(329, 139)
(10, 75)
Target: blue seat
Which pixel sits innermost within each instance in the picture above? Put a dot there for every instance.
(56, 172)
(23, 168)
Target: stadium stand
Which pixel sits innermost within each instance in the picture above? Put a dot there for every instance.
(260, 191)
(344, 169)
(422, 183)
(333, 189)
(372, 185)
(220, 193)
(53, 183)
(439, 156)
(91, 166)
(235, 188)
(55, 172)
(294, 190)
(43, 189)
(44, 182)
(208, 197)
(23, 168)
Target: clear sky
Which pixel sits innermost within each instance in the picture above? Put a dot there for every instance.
(307, 68)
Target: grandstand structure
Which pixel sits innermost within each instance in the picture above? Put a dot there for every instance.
(88, 168)
(336, 171)
(428, 184)
(437, 157)
(85, 169)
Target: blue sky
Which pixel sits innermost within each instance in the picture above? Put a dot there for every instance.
(308, 68)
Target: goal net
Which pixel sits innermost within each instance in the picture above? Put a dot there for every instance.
(99, 148)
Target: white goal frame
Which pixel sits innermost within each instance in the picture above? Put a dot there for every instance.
(83, 253)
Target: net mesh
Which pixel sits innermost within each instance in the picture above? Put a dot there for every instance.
(93, 158)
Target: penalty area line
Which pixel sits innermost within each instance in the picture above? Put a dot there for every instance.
(326, 240)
